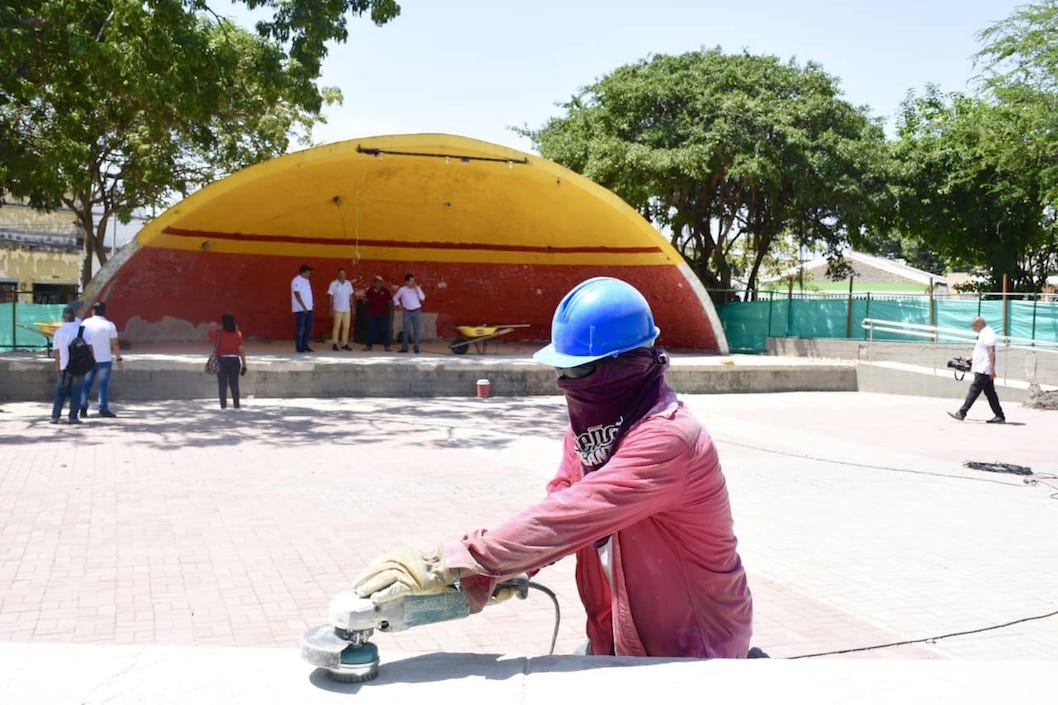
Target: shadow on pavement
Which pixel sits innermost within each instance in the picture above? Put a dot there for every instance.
(430, 423)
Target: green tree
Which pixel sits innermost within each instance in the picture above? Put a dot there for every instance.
(969, 187)
(1020, 72)
(108, 106)
(728, 153)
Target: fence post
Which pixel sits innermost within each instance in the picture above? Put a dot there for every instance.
(848, 318)
(1006, 315)
(14, 319)
(1035, 300)
(789, 310)
(932, 311)
(867, 314)
(771, 302)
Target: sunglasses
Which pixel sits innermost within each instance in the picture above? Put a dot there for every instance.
(576, 372)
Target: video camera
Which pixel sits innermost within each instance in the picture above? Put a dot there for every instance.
(960, 365)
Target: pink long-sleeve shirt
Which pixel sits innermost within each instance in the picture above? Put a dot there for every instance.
(679, 587)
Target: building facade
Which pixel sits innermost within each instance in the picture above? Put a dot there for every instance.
(40, 255)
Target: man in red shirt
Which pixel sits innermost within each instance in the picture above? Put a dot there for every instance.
(639, 498)
(378, 301)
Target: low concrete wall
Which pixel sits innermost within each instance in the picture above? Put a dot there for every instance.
(1039, 366)
(898, 378)
(32, 378)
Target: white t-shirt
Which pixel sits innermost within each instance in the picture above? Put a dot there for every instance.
(302, 286)
(64, 335)
(341, 293)
(98, 332)
(986, 339)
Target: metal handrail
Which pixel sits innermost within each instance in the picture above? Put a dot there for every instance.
(934, 333)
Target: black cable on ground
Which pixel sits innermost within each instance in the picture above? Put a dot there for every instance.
(991, 467)
(929, 639)
(558, 615)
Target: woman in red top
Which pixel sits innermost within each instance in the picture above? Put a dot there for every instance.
(231, 352)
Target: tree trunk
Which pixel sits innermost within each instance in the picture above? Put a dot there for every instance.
(94, 239)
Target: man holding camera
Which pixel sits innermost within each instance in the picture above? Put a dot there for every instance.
(984, 371)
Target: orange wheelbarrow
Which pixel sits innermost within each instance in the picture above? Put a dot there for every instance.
(480, 335)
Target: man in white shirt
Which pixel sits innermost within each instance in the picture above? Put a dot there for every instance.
(409, 298)
(984, 371)
(340, 293)
(68, 385)
(102, 335)
(301, 305)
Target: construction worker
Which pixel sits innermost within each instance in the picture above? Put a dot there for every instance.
(639, 498)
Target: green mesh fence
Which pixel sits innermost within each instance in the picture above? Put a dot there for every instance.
(748, 324)
(14, 336)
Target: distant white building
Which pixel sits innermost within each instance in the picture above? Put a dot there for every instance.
(870, 273)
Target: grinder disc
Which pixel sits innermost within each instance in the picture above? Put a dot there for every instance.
(358, 663)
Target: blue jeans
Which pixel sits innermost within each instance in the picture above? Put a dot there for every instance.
(103, 370)
(302, 329)
(411, 320)
(68, 386)
(376, 325)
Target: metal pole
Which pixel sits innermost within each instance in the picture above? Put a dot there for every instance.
(789, 310)
(932, 310)
(848, 319)
(867, 314)
(1035, 300)
(771, 302)
(1006, 315)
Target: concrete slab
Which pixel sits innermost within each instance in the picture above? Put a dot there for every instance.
(205, 543)
(52, 673)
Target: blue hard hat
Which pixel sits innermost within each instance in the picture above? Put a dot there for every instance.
(600, 317)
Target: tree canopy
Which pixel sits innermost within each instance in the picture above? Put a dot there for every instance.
(969, 186)
(728, 153)
(110, 106)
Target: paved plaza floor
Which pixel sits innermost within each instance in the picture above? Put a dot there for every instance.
(180, 525)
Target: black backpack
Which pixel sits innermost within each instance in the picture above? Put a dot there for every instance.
(81, 358)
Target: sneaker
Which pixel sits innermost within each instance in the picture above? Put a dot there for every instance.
(388, 349)
(84, 413)
(416, 348)
(54, 420)
(107, 413)
(367, 347)
(346, 347)
(957, 415)
(403, 350)
(74, 419)
(997, 419)
(308, 350)
(334, 347)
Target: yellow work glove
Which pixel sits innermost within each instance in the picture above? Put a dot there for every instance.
(503, 594)
(405, 572)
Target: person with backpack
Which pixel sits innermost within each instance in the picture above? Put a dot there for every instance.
(102, 335)
(73, 358)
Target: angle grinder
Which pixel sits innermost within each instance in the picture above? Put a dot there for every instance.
(342, 646)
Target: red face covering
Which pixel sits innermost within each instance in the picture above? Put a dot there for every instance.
(608, 402)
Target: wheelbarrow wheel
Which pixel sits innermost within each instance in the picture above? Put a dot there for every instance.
(459, 346)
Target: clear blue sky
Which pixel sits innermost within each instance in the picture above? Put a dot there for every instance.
(476, 67)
